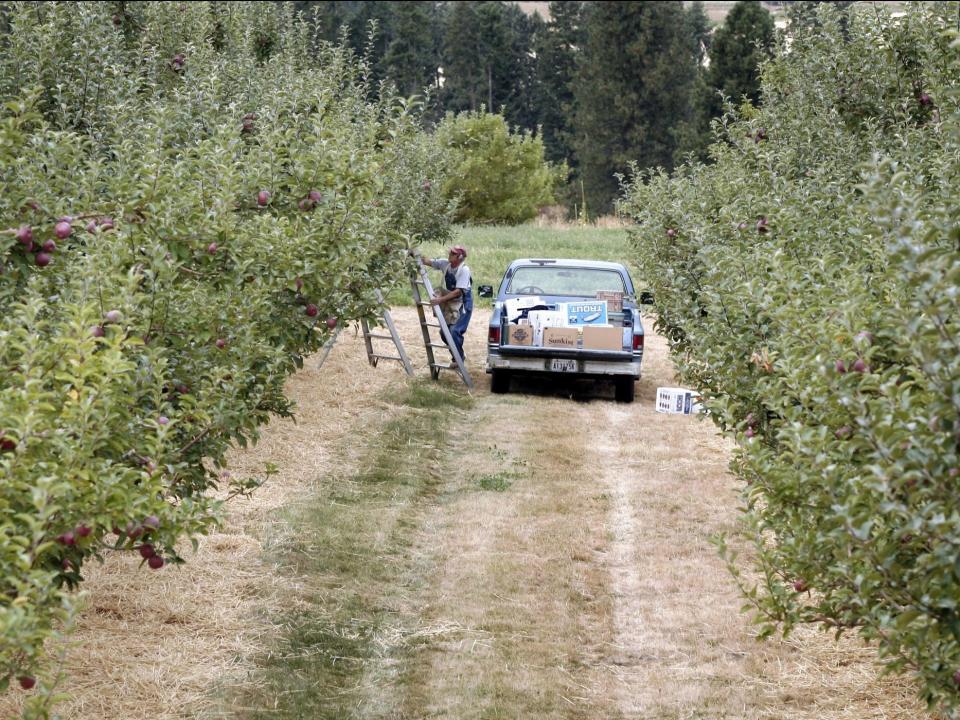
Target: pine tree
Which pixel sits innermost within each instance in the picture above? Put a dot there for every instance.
(633, 93)
(411, 59)
(738, 48)
(556, 48)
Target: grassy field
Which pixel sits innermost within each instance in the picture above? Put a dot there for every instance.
(490, 250)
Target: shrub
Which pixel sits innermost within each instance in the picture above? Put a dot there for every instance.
(498, 176)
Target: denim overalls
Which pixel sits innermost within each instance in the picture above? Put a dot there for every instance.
(459, 328)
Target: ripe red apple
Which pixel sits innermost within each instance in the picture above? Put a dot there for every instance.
(97, 331)
(749, 432)
(63, 229)
(147, 551)
(27, 682)
(67, 538)
(762, 225)
(331, 322)
(800, 585)
(925, 99)
(25, 234)
(112, 316)
(156, 562)
(42, 259)
(840, 367)
(305, 204)
(82, 530)
(92, 227)
(212, 248)
(263, 197)
(671, 232)
(315, 195)
(859, 366)
(49, 246)
(163, 420)
(7, 444)
(106, 223)
(221, 343)
(152, 522)
(311, 310)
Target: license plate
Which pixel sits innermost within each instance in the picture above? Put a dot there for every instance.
(563, 366)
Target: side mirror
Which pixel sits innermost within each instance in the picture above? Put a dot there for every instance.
(485, 291)
(646, 298)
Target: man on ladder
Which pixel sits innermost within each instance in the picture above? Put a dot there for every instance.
(456, 299)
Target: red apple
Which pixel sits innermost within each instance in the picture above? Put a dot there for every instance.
(63, 229)
(97, 331)
(67, 538)
(156, 562)
(800, 585)
(840, 367)
(163, 420)
(152, 522)
(212, 248)
(298, 283)
(82, 530)
(331, 322)
(146, 551)
(305, 204)
(315, 195)
(49, 246)
(27, 682)
(112, 316)
(7, 444)
(263, 197)
(859, 366)
(311, 310)
(671, 232)
(221, 343)
(25, 234)
(42, 259)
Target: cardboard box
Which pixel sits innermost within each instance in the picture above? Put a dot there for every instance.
(540, 320)
(614, 299)
(566, 338)
(606, 337)
(586, 312)
(516, 306)
(519, 334)
(678, 401)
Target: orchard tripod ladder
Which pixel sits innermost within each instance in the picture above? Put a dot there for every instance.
(422, 293)
(368, 337)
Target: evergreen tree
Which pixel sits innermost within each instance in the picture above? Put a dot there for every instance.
(555, 47)
(739, 46)
(633, 93)
(411, 59)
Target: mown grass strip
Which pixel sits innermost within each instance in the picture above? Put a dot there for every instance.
(345, 636)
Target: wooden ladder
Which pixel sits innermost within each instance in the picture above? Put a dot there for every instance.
(373, 356)
(422, 293)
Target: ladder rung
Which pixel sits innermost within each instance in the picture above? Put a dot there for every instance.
(387, 357)
(433, 325)
(439, 345)
(380, 335)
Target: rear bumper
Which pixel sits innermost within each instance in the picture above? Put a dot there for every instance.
(588, 363)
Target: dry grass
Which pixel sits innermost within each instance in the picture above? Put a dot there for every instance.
(563, 571)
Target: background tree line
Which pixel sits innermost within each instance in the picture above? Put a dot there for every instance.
(605, 84)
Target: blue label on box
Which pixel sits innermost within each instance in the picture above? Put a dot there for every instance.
(590, 312)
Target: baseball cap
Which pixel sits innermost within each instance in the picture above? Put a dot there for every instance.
(459, 250)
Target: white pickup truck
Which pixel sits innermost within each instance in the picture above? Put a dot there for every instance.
(533, 285)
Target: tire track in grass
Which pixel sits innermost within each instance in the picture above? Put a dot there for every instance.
(351, 627)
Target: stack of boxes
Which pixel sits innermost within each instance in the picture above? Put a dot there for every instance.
(572, 326)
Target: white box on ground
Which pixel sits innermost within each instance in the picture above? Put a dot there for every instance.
(678, 401)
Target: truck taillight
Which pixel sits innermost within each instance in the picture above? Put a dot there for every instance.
(638, 342)
(493, 336)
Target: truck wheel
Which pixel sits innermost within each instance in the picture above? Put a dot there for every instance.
(499, 381)
(624, 387)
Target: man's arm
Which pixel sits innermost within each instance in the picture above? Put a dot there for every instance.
(447, 297)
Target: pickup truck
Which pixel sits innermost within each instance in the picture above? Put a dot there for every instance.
(529, 285)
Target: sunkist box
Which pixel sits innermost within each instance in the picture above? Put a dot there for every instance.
(602, 337)
(540, 320)
(584, 312)
(565, 338)
(519, 334)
